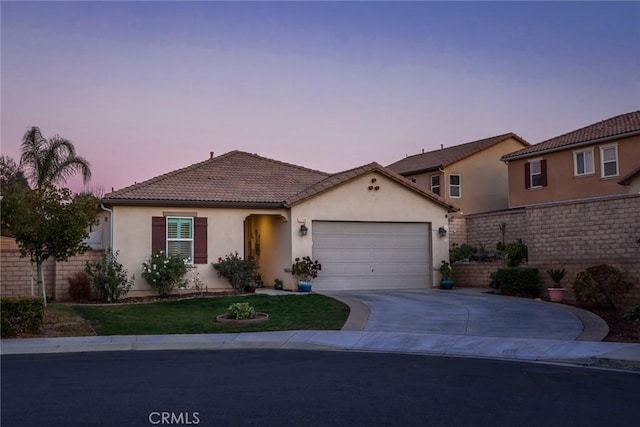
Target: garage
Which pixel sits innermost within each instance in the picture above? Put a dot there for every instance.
(372, 255)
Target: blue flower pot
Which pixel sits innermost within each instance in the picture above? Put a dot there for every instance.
(446, 284)
(304, 286)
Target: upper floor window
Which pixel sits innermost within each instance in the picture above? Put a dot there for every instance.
(180, 237)
(435, 184)
(609, 159)
(535, 173)
(583, 162)
(455, 186)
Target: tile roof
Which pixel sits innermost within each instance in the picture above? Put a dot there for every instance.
(242, 179)
(235, 178)
(626, 180)
(345, 176)
(623, 124)
(446, 156)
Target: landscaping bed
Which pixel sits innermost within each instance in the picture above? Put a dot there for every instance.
(620, 329)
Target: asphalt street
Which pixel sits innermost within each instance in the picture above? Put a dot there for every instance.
(307, 388)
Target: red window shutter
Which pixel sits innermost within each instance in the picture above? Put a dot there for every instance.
(527, 175)
(158, 234)
(543, 170)
(200, 240)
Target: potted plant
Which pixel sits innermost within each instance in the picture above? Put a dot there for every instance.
(556, 293)
(278, 284)
(446, 271)
(304, 269)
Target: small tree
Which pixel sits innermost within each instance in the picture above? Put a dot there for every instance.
(50, 223)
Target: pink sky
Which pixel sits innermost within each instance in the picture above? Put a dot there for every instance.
(146, 88)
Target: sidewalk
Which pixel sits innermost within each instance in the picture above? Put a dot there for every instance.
(583, 353)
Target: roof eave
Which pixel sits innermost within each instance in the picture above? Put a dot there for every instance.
(192, 203)
(423, 170)
(569, 146)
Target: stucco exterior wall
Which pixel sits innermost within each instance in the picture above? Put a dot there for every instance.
(353, 201)
(561, 182)
(225, 234)
(484, 179)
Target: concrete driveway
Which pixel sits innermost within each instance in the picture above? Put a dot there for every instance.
(470, 312)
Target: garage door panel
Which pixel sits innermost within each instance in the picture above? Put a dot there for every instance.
(361, 255)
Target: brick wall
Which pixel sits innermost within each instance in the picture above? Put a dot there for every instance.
(457, 230)
(15, 274)
(573, 236)
(474, 275)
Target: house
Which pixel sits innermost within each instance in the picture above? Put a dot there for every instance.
(632, 181)
(468, 176)
(274, 212)
(581, 164)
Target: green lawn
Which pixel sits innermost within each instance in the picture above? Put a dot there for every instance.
(195, 316)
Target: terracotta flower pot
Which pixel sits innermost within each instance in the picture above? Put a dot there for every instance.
(556, 294)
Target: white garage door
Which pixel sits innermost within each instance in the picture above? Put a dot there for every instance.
(371, 255)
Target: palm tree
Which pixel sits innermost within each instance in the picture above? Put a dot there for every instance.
(51, 161)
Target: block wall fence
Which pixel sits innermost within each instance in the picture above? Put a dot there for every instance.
(573, 236)
(16, 273)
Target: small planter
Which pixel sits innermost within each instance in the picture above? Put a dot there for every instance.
(250, 289)
(446, 284)
(304, 286)
(556, 294)
(260, 317)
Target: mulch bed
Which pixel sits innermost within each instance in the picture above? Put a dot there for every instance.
(620, 329)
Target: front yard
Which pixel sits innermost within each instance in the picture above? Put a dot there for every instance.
(196, 315)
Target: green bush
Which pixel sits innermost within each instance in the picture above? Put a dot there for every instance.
(516, 253)
(108, 277)
(601, 285)
(23, 315)
(241, 310)
(633, 314)
(239, 272)
(517, 281)
(164, 273)
(462, 252)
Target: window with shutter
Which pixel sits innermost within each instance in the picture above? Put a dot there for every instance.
(180, 237)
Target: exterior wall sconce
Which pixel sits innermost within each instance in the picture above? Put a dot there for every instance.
(303, 230)
(442, 231)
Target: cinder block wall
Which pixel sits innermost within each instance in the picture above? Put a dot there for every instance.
(15, 274)
(573, 236)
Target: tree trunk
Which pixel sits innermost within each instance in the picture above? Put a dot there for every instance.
(40, 267)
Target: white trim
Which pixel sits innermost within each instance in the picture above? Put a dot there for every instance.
(575, 162)
(459, 185)
(166, 240)
(617, 161)
(539, 161)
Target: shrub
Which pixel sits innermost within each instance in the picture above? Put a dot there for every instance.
(108, 277)
(633, 314)
(517, 281)
(79, 286)
(516, 253)
(556, 276)
(238, 272)
(305, 269)
(241, 310)
(601, 285)
(462, 252)
(164, 273)
(24, 315)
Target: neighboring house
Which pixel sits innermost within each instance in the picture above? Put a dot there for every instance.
(582, 164)
(632, 181)
(274, 212)
(468, 176)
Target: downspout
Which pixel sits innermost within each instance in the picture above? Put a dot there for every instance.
(110, 223)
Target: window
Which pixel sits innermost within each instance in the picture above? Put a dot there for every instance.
(609, 158)
(535, 173)
(182, 236)
(583, 162)
(435, 184)
(454, 186)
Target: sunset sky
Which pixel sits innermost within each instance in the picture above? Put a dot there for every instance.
(143, 88)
